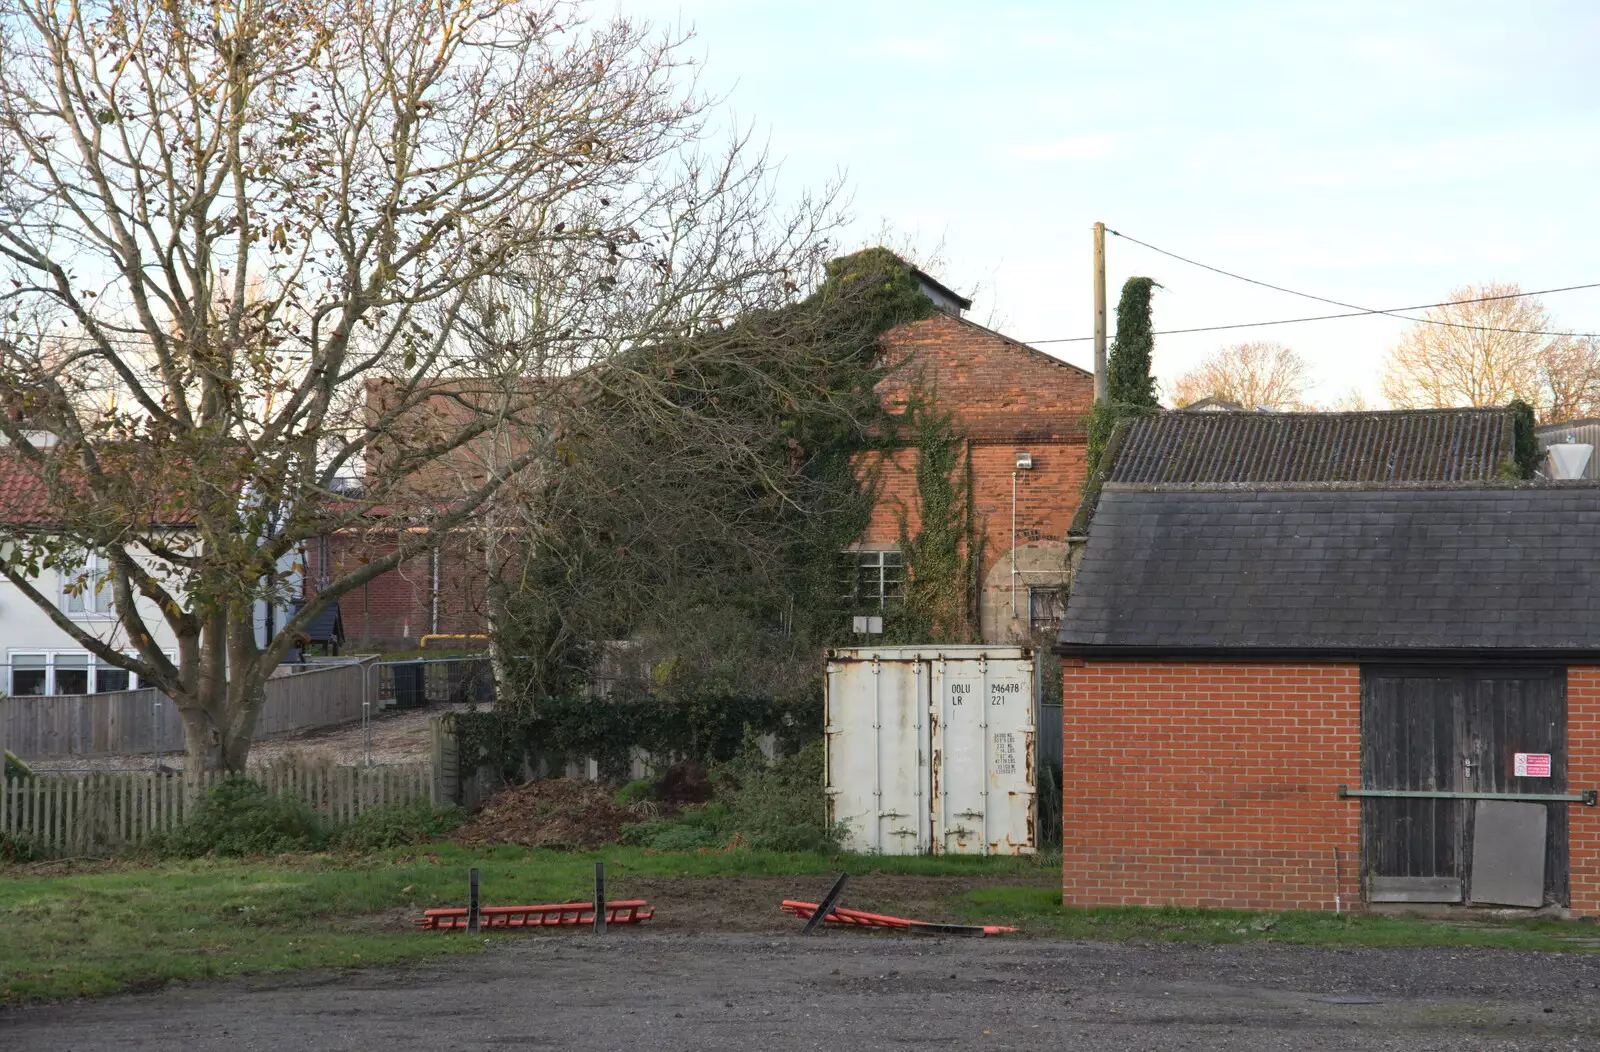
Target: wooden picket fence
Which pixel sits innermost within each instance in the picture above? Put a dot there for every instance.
(62, 815)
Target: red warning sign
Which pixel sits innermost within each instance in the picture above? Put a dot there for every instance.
(1533, 765)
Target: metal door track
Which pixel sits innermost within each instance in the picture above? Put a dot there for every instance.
(1587, 797)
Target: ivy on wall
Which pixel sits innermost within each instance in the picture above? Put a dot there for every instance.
(942, 557)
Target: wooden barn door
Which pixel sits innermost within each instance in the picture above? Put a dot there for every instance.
(1459, 732)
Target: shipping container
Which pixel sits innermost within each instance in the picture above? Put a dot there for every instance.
(931, 749)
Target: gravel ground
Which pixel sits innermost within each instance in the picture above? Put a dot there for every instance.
(398, 736)
(856, 991)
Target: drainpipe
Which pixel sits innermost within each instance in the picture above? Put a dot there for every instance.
(435, 591)
(1014, 545)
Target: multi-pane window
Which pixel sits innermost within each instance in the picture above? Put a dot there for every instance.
(876, 578)
(108, 678)
(72, 674)
(86, 591)
(65, 672)
(30, 674)
(1045, 606)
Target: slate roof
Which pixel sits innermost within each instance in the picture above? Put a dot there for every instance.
(1502, 568)
(1412, 445)
(327, 626)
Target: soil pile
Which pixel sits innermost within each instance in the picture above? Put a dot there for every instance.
(552, 812)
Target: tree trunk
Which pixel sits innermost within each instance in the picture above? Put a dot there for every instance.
(219, 730)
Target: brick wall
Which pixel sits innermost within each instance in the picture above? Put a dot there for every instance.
(399, 605)
(995, 387)
(1210, 784)
(1583, 772)
(1006, 398)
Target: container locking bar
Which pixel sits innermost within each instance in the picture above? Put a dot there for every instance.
(1587, 797)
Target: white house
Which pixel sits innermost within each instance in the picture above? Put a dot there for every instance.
(39, 656)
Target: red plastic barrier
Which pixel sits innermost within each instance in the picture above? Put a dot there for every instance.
(627, 911)
(862, 919)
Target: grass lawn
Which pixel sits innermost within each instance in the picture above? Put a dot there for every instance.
(128, 925)
(1038, 911)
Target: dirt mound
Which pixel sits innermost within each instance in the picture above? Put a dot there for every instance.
(551, 812)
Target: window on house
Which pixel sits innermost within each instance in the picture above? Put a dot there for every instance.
(1045, 606)
(68, 672)
(108, 678)
(30, 674)
(72, 674)
(86, 591)
(876, 578)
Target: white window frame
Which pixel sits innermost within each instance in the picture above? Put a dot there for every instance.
(880, 594)
(95, 601)
(50, 654)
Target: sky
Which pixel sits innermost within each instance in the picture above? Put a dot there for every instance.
(1381, 154)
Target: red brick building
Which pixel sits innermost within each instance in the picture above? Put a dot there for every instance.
(1011, 404)
(1237, 652)
(1021, 416)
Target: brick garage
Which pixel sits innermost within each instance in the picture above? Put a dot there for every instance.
(1005, 398)
(1233, 657)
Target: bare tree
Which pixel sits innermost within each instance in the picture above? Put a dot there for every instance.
(1569, 379)
(250, 248)
(1353, 400)
(1260, 375)
(1489, 346)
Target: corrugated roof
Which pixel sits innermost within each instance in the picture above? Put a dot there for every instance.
(1491, 568)
(1423, 445)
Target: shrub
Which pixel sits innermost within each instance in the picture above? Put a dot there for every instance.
(764, 805)
(780, 806)
(638, 791)
(239, 817)
(702, 826)
(16, 848)
(396, 825)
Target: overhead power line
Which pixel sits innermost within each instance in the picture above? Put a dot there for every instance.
(1353, 306)
(1354, 311)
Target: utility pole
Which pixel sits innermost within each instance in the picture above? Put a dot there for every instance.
(1099, 312)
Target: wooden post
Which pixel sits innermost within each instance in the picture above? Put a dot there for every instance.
(472, 901)
(1100, 379)
(599, 898)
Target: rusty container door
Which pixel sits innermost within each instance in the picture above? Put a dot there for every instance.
(984, 735)
(876, 722)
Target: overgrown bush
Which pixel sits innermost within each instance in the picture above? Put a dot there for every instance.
(702, 826)
(15, 848)
(396, 825)
(708, 729)
(239, 817)
(764, 805)
(637, 791)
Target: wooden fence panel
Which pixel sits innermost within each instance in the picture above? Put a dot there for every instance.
(62, 815)
(146, 722)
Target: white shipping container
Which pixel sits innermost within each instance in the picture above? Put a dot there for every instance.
(931, 749)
